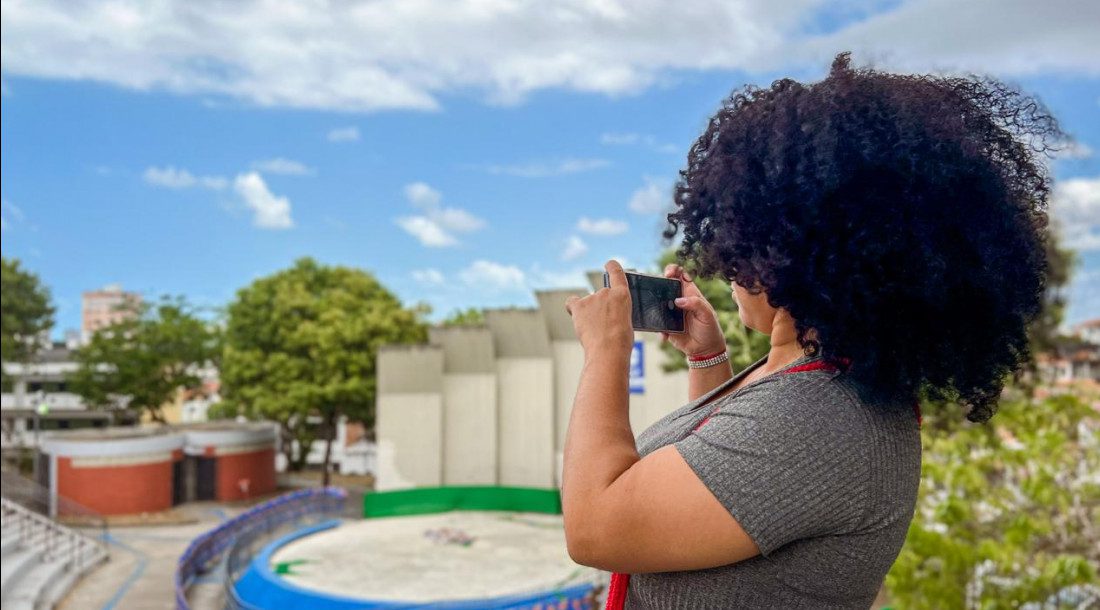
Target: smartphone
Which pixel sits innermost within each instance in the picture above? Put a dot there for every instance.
(652, 306)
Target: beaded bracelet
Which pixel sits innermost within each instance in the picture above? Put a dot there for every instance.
(702, 362)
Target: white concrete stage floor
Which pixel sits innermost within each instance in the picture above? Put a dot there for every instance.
(392, 558)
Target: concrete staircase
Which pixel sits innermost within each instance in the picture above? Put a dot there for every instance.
(40, 559)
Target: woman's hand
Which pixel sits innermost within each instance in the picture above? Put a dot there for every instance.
(702, 332)
(602, 319)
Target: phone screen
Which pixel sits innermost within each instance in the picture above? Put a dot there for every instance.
(652, 302)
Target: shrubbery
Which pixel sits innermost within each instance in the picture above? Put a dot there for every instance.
(1008, 511)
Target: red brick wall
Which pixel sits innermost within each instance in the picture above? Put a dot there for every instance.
(117, 490)
(257, 466)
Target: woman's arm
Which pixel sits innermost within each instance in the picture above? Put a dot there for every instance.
(701, 381)
(623, 513)
(599, 444)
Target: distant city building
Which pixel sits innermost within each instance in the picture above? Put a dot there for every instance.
(36, 398)
(1088, 331)
(103, 307)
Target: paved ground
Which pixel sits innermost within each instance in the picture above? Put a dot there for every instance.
(453, 555)
(138, 576)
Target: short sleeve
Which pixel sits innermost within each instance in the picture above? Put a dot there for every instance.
(787, 458)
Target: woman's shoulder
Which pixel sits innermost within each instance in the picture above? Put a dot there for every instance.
(812, 396)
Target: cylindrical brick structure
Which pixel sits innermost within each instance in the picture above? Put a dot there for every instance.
(113, 471)
(228, 460)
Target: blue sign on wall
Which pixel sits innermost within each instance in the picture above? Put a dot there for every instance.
(637, 369)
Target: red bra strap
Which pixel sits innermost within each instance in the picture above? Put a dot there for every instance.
(616, 591)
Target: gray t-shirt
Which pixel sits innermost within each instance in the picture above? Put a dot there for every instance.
(824, 483)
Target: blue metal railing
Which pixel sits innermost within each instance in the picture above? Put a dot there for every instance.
(242, 535)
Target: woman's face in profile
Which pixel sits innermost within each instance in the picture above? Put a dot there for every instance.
(754, 309)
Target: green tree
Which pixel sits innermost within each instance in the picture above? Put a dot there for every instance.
(746, 345)
(145, 358)
(458, 317)
(303, 343)
(1007, 512)
(25, 312)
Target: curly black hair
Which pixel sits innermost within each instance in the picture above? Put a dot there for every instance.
(901, 218)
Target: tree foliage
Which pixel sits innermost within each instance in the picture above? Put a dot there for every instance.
(145, 358)
(25, 312)
(1008, 512)
(459, 317)
(303, 342)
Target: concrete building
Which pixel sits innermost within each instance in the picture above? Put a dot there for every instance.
(228, 461)
(114, 470)
(1088, 331)
(104, 307)
(490, 404)
(27, 387)
(147, 469)
(469, 441)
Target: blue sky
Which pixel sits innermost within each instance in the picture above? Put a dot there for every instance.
(183, 149)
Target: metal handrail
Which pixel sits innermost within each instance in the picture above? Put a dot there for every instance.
(55, 540)
(38, 499)
(239, 535)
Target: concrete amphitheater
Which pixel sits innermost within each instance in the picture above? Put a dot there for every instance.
(40, 559)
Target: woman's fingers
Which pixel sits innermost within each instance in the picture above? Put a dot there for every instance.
(569, 303)
(698, 306)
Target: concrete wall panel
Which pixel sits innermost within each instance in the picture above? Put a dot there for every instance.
(409, 417)
(568, 362)
(525, 389)
(470, 429)
(410, 435)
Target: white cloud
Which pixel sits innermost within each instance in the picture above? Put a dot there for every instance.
(455, 219)
(422, 195)
(620, 139)
(268, 210)
(216, 183)
(1074, 150)
(429, 277)
(390, 54)
(1009, 37)
(540, 278)
(281, 165)
(547, 169)
(651, 198)
(344, 134)
(574, 248)
(173, 178)
(170, 177)
(494, 276)
(9, 212)
(429, 233)
(601, 226)
(1075, 206)
(631, 139)
(435, 228)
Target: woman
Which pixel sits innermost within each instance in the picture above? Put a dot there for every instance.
(888, 233)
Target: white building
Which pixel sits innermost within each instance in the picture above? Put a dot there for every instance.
(489, 404)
